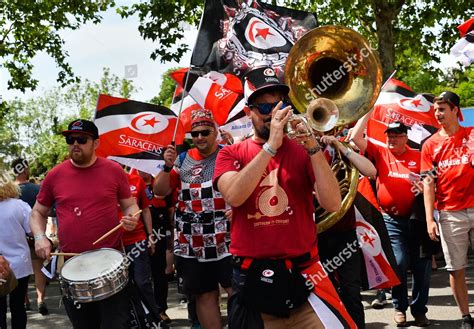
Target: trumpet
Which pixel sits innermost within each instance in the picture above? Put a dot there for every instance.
(322, 115)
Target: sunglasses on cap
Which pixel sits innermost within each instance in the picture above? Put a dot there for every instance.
(266, 108)
(203, 133)
(80, 139)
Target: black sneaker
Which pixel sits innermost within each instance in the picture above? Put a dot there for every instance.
(43, 309)
(380, 300)
(466, 322)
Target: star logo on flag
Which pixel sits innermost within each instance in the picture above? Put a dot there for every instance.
(151, 122)
(366, 238)
(263, 33)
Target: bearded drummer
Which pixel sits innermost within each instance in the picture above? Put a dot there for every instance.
(86, 190)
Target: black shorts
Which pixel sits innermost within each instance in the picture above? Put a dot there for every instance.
(202, 277)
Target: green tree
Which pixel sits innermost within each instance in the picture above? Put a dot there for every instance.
(32, 128)
(165, 96)
(28, 27)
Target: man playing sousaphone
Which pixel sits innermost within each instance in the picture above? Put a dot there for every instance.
(86, 190)
(269, 181)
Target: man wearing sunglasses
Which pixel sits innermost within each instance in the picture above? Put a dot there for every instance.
(269, 181)
(202, 256)
(86, 190)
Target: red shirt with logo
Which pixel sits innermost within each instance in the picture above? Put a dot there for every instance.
(395, 192)
(276, 221)
(138, 190)
(450, 157)
(86, 203)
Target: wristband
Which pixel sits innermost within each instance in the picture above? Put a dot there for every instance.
(39, 236)
(267, 148)
(167, 169)
(348, 152)
(314, 150)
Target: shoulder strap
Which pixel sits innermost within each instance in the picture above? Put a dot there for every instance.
(182, 156)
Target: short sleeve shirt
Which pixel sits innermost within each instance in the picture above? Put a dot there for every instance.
(450, 159)
(395, 192)
(86, 203)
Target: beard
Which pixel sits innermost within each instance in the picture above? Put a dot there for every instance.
(262, 131)
(79, 158)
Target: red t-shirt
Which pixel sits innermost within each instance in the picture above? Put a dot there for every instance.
(138, 190)
(451, 157)
(394, 189)
(276, 221)
(86, 203)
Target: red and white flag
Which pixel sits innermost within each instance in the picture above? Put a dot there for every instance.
(222, 94)
(135, 133)
(380, 264)
(398, 102)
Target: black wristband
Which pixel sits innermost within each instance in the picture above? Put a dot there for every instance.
(167, 169)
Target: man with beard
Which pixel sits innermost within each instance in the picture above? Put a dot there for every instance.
(269, 181)
(201, 249)
(447, 161)
(86, 190)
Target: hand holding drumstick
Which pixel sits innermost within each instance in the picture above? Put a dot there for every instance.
(127, 222)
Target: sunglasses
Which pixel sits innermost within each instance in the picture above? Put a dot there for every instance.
(266, 108)
(203, 133)
(80, 139)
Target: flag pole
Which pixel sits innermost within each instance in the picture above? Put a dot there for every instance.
(187, 76)
(180, 106)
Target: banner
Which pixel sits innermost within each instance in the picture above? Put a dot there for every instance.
(134, 133)
(235, 36)
(222, 94)
(398, 102)
(380, 264)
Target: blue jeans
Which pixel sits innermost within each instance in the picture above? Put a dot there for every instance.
(406, 247)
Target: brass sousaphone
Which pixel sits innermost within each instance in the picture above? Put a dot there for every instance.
(333, 72)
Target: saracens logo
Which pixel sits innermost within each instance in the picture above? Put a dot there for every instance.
(148, 123)
(261, 35)
(269, 72)
(417, 104)
(268, 273)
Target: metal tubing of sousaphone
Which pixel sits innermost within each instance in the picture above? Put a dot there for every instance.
(338, 64)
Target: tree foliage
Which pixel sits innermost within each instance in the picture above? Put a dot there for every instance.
(32, 128)
(165, 96)
(28, 27)
(410, 35)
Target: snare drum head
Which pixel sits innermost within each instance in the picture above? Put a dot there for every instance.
(91, 265)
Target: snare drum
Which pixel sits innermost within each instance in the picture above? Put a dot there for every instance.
(94, 275)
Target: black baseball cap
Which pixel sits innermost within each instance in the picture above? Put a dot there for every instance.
(397, 127)
(81, 126)
(260, 80)
(449, 97)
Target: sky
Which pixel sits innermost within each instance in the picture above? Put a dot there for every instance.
(114, 43)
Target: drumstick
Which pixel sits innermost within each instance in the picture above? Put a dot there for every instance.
(113, 230)
(67, 254)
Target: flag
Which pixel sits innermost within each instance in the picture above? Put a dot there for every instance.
(134, 133)
(217, 92)
(398, 102)
(182, 107)
(236, 36)
(463, 49)
(380, 264)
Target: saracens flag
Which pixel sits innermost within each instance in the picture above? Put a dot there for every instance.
(398, 102)
(134, 133)
(380, 270)
(217, 92)
(236, 36)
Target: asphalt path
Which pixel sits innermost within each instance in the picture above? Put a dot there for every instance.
(442, 312)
